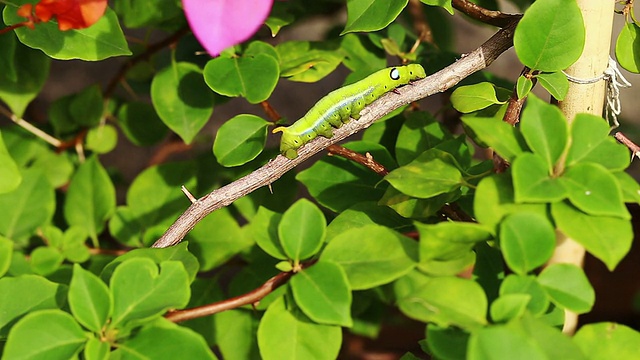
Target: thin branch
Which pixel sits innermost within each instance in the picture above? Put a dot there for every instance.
(491, 17)
(366, 160)
(274, 169)
(420, 24)
(270, 111)
(152, 49)
(624, 140)
(167, 149)
(30, 128)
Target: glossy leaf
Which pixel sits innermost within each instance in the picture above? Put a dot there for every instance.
(142, 292)
(26, 71)
(366, 213)
(628, 47)
(6, 250)
(475, 97)
(141, 133)
(449, 240)
(448, 301)
(420, 132)
(264, 229)
(592, 189)
(45, 334)
(447, 342)
(505, 139)
(442, 3)
(322, 292)
(523, 86)
(26, 294)
(556, 83)
(102, 40)
(371, 15)
(607, 238)
(306, 61)
(302, 230)
(527, 241)
(89, 299)
(236, 334)
(136, 14)
(337, 183)
(372, 255)
(568, 287)
(240, 140)
(95, 349)
(28, 207)
(432, 173)
(86, 107)
(286, 334)
(164, 339)
(531, 180)
(91, 198)
(102, 139)
(543, 45)
(517, 284)
(545, 130)
(45, 260)
(253, 77)
(591, 143)
(218, 25)
(182, 99)
(509, 306)
(606, 340)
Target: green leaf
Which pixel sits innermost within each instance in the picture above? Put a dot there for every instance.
(607, 238)
(45, 260)
(165, 340)
(372, 255)
(420, 132)
(509, 306)
(544, 45)
(629, 186)
(102, 139)
(11, 176)
(279, 17)
(322, 292)
(608, 340)
(6, 250)
(412, 208)
(240, 140)
(449, 240)
(337, 183)
(216, 239)
(448, 301)
(286, 334)
(306, 61)
(236, 334)
(360, 56)
(366, 213)
(499, 342)
(57, 168)
(30, 71)
(531, 180)
(26, 294)
(628, 48)
(432, 173)
(475, 97)
(142, 292)
(371, 15)
(447, 342)
(523, 86)
(182, 99)
(45, 334)
(146, 13)
(505, 139)
(590, 142)
(527, 240)
(91, 198)
(178, 253)
(302, 230)
(556, 83)
(89, 299)
(264, 230)
(102, 40)
(95, 349)
(545, 130)
(28, 207)
(446, 4)
(142, 133)
(519, 284)
(594, 190)
(87, 106)
(253, 77)
(568, 287)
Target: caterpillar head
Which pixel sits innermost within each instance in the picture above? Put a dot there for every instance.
(289, 143)
(415, 72)
(405, 74)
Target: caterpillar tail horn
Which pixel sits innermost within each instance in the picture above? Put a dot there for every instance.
(278, 129)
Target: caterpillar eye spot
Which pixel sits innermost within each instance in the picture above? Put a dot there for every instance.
(394, 74)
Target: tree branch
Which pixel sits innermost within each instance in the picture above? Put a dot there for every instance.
(491, 17)
(274, 169)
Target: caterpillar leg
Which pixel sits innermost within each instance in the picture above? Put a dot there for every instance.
(290, 154)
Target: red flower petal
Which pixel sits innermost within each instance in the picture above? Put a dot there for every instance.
(71, 14)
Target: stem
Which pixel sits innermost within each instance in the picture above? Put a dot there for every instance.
(30, 128)
(12, 27)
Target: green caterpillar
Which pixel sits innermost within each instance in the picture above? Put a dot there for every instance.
(339, 105)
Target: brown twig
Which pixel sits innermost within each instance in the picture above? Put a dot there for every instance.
(252, 297)
(491, 17)
(167, 149)
(420, 24)
(153, 48)
(624, 140)
(366, 160)
(270, 111)
(453, 212)
(267, 174)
